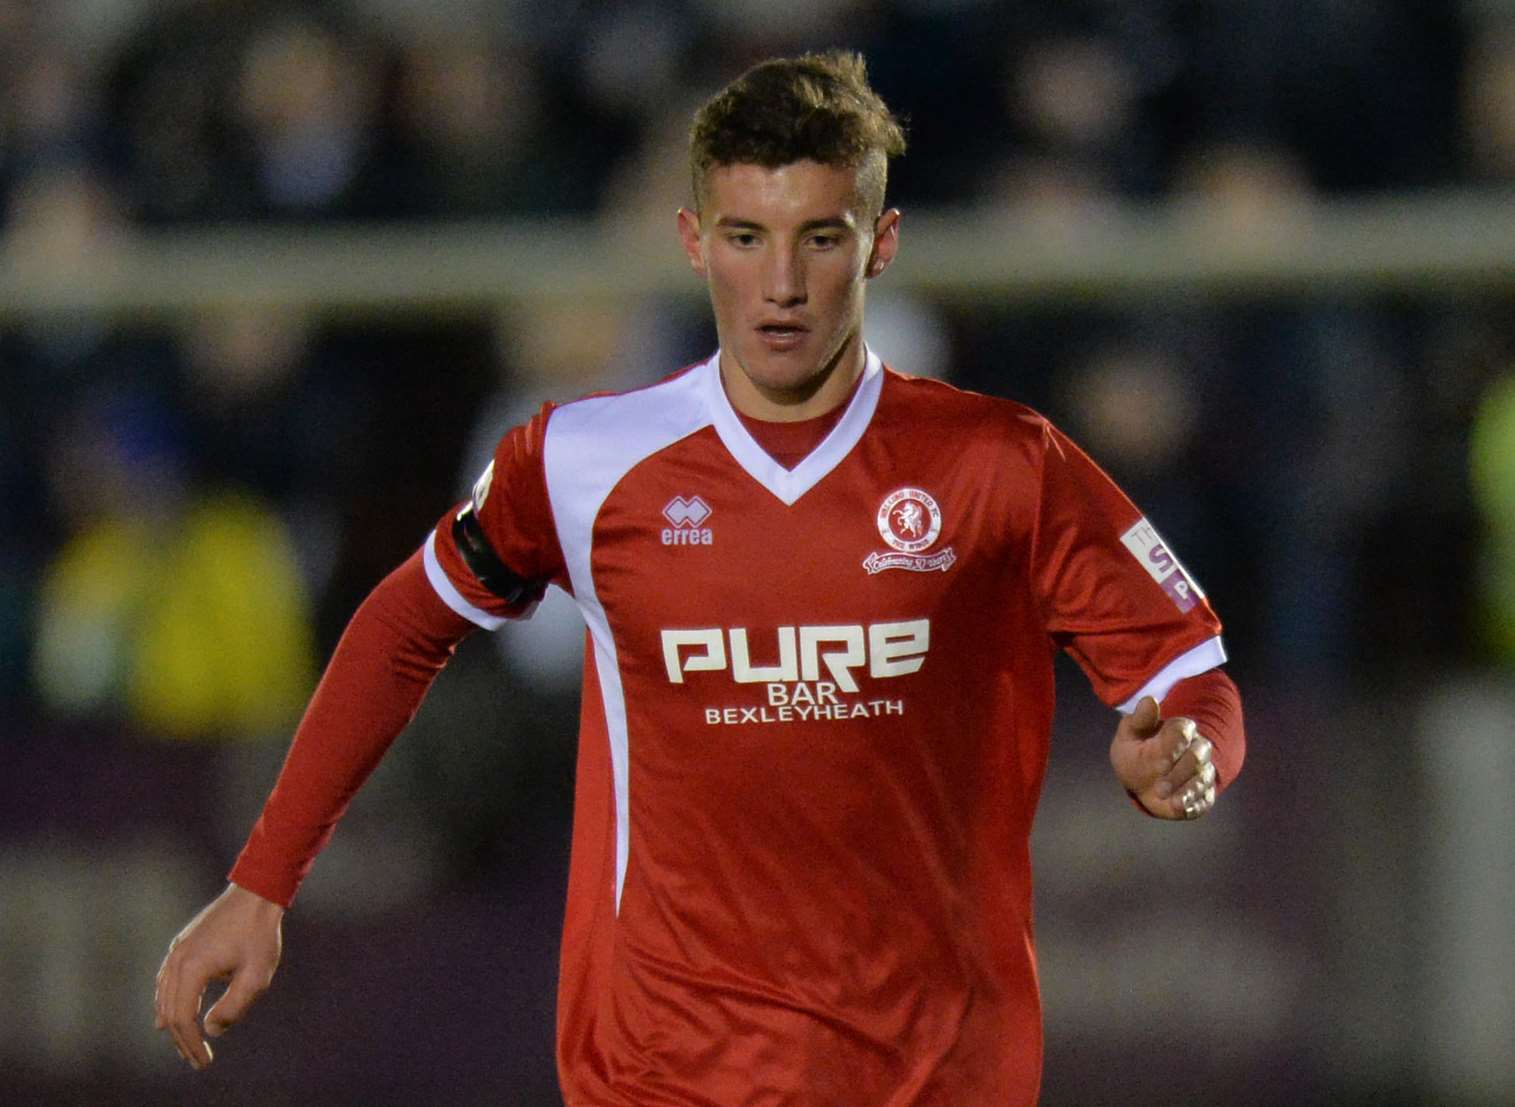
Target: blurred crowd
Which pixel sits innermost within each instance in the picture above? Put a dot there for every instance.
(192, 505)
(183, 111)
(152, 468)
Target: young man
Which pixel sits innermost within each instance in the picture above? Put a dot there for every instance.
(823, 600)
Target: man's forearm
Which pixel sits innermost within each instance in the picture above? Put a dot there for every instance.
(392, 650)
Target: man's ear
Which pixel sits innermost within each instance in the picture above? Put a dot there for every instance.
(886, 242)
(689, 238)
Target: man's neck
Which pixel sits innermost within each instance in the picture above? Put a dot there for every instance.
(831, 388)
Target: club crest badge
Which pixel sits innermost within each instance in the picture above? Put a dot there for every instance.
(910, 521)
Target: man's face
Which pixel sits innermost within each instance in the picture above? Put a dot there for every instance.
(785, 253)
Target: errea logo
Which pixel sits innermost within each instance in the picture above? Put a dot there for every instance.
(686, 516)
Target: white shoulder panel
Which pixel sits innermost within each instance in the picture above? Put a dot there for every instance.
(590, 446)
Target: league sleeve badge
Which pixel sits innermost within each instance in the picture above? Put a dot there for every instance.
(1147, 546)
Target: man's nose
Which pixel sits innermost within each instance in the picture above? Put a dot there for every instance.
(785, 279)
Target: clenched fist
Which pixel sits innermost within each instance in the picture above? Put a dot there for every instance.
(1163, 763)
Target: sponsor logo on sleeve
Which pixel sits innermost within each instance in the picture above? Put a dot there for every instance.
(1147, 546)
(686, 517)
(910, 521)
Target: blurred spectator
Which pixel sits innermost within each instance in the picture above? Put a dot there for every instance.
(468, 133)
(1314, 388)
(631, 55)
(62, 222)
(178, 610)
(175, 146)
(244, 368)
(1074, 103)
(1135, 406)
(1493, 473)
(1248, 189)
(306, 100)
(45, 115)
(1488, 106)
(48, 118)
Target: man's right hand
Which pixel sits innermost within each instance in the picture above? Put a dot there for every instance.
(237, 938)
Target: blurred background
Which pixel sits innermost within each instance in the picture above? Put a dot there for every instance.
(274, 277)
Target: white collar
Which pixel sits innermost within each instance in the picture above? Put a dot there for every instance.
(790, 484)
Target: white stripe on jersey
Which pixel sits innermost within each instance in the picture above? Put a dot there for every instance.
(1201, 659)
(590, 446)
(448, 593)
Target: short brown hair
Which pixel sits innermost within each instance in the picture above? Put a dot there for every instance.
(818, 107)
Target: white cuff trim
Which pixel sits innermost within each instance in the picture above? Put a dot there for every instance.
(1201, 659)
(448, 593)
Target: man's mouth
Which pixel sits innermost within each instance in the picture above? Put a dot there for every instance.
(781, 336)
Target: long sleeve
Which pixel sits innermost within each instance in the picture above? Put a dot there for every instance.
(1213, 701)
(398, 640)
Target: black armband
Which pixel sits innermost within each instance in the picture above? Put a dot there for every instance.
(485, 564)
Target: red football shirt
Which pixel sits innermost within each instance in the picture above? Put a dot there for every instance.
(815, 725)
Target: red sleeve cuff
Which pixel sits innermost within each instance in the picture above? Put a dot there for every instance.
(1213, 701)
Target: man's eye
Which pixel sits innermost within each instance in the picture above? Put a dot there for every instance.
(825, 241)
(742, 239)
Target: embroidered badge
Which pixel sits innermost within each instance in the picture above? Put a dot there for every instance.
(910, 521)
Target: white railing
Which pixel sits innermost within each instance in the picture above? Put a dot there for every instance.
(1428, 242)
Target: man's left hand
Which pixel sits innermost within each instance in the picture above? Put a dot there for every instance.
(1164, 763)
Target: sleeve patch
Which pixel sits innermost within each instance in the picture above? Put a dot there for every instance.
(1147, 546)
